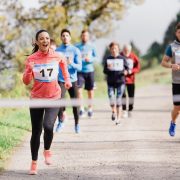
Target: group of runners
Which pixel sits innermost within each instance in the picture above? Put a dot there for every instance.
(55, 70)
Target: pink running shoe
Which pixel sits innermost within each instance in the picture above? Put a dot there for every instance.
(47, 156)
(33, 169)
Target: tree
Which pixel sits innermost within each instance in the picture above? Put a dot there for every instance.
(169, 34)
(18, 25)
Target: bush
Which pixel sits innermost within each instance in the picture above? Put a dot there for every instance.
(99, 75)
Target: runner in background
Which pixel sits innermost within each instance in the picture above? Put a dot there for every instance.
(73, 58)
(115, 68)
(134, 67)
(86, 75)
(171, 60)
(42, 68)
(53, 44)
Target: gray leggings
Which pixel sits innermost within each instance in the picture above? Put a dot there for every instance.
(42, 118)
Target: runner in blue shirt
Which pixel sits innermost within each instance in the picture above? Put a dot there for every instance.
(86, 75)
(73, 58)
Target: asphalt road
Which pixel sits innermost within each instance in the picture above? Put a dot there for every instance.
(139, 148)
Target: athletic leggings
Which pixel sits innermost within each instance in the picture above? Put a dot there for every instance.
(115, 93)
(73, 94)
(130, 91)
(42, 118)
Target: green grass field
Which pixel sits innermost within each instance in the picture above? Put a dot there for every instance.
(14, 124)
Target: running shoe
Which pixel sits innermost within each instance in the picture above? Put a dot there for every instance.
(113, 117)
(90, 113)
(59, 126)
(81, 113)
(77, 128)
(172, 129)
(47, 156)
(118, 122)
(33, 169)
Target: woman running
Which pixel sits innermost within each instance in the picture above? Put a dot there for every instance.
(115, 68)
(42, 67)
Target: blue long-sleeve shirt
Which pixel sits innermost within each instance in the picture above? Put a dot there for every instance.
(87, 50)
(73, 53)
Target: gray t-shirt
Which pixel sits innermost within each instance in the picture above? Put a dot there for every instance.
(173, 51)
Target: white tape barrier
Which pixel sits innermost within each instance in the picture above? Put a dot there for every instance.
(69, 102)
(36, 103)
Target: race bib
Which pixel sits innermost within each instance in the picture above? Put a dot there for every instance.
(46, 72)
(86, 54)
(115, 64)
(69, 56)
(130, 63)
(177, 57)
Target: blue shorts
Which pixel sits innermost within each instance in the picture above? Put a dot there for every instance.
(87, 79)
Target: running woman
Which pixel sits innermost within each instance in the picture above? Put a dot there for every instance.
(42, 68)
(171, 60)
(86, 75)
(115, 68)
(134, 67)
(73, 58)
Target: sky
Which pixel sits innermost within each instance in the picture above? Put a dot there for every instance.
(142, 24)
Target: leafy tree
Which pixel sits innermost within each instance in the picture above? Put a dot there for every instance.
(18, 24)
(169, 34)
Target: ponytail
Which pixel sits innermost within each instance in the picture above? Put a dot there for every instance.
(36, 47)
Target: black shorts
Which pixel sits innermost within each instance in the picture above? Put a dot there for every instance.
(176, 94)
(87, 79)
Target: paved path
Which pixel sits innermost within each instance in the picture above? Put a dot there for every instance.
(139, 148)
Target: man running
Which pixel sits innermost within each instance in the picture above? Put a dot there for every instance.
(86, 75)
(171, 60)
(73, 58)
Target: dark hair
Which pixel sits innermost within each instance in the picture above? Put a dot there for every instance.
(36, 47)
(177, 26)
(52, 41)
(113, 44)
(65, 30)
(84, 31)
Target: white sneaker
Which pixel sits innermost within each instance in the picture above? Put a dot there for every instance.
(118, 121)
(125, 114)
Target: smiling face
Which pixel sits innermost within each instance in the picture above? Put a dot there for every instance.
(43, 41)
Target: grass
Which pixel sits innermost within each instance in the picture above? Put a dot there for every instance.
(14, 124)
(155, 75)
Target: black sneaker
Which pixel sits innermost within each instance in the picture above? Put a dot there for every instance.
(113, 117)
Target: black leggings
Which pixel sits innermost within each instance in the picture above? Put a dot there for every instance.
(42, 117)
(73, 94)
(130, 90)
